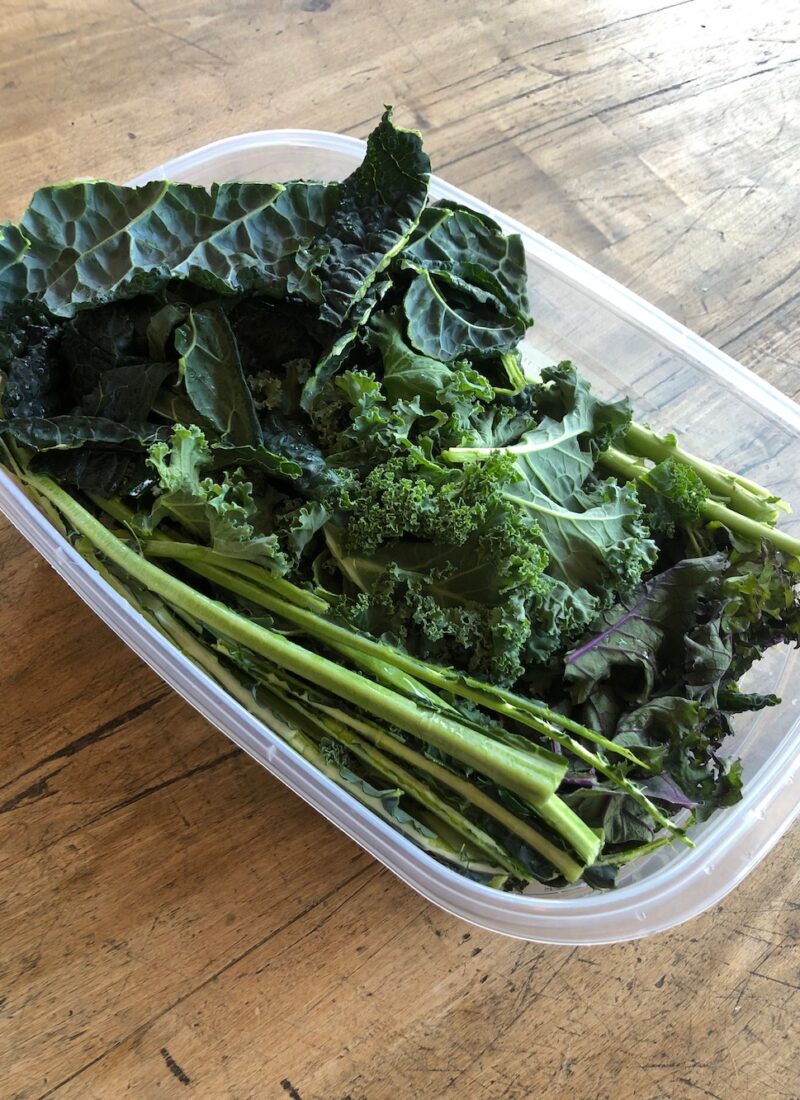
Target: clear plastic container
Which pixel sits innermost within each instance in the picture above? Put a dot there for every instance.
(676, 381)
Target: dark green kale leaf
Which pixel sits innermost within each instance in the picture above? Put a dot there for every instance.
(316, 393)
(447, 322)
(84, 244)
(633, 640)
(734, 701)
(160, 331)
(213, 376)
(127, 394)
(378, 206)
(92, 453)
(66, 432)
(293, 441)
(681, 737)
(453, 387)
(106, 472)
(103, 339)
(473, 250)
(468, 293)
(35, 383)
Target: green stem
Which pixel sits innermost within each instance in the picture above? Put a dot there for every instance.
(547, 730)
(272, 718)
(190, 645)
(577, 834)
(529, 776)
(382, 660)
(347, 641)
(332, 634)
(604, 768)
(581, 839)
(119, 511)
(397, 679)
(389, 769)
(747, 499)
(628, 468)
(619, 859)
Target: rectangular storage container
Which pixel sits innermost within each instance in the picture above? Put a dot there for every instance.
(676, 381)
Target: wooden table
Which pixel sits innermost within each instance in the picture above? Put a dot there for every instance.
(173, 921)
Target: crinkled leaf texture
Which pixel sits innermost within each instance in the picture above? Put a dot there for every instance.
(468, 294)
(222, 514)
(378, 206)
(83, 244)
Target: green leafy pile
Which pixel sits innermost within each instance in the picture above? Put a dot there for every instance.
(290, 424)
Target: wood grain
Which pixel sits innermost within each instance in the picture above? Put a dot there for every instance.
(173, 922)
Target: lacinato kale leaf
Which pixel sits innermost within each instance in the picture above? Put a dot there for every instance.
(377, 208)
(468, 293)
(212, 374)
(473, 250)
(66, 432)
(84, 244)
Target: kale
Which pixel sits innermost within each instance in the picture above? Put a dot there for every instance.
(293, 424)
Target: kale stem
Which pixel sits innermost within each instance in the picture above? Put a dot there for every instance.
(578, 835)
(329, 632)
(748, 499)
(272, 718)
(619, 859)
(628, 468)
(531, 777)
(119, 511)
(198, 559)
(378, 761)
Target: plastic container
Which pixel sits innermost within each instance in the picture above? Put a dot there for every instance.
(676, 381)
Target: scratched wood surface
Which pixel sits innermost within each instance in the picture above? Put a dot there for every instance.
(173, 921)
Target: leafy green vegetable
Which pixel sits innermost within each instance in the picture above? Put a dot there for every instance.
(84, 244)
(644, 632)
(471, 248)
(213, 376)
(377, 209)
(65, 432)
(290, 424)
(469, 292)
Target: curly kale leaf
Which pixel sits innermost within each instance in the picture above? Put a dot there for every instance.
(762, 602)
(442, 561)
(673, 497)
(220, 514)
(593, 530)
